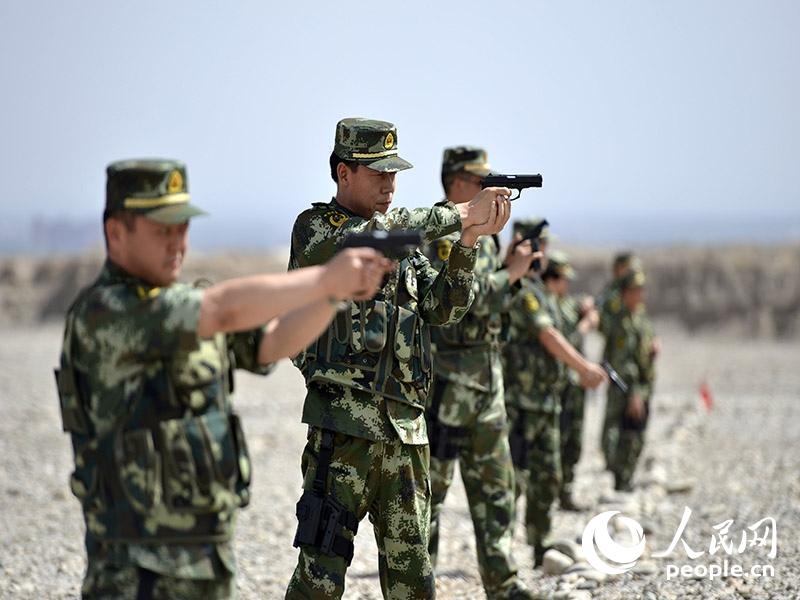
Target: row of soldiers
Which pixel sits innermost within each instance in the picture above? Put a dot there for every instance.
(450, 353)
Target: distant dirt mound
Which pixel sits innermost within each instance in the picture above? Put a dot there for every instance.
(752, 291)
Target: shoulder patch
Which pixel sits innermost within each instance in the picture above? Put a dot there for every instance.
(615, 305)
(530, 301)
(620, 342)
(336, 218)
(443, 248)
(145, 293)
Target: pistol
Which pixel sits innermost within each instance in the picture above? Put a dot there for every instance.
(533, 235)
(514, 182)
(389, 243)
(614, 377)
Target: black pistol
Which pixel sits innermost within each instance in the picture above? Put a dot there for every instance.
(614, 377)
(391, 244)
(513, 182)
(533, 235)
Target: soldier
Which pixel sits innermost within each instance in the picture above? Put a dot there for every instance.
(578, 318)
(535, 360)
(369, 374)
(630, 350)
(161, 463)
(466, 412)
(609, 301)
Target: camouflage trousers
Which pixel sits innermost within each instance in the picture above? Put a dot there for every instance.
(539, 477)
(621, 445)
(486, 469)
(109, 577)
(571, 432)
(389, 481)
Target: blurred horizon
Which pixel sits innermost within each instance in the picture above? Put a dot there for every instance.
(651, 123)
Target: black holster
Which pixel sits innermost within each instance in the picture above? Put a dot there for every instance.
(320, 516)
(518, 443)
(444, 440)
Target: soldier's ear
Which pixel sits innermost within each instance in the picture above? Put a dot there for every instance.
(343, 174)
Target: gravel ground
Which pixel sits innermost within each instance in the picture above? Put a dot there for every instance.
(739, 462)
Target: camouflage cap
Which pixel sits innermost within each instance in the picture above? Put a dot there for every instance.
(470, 159)
(633, 279)
(558, 265)
(155, 188)
(369, 142)
(521, 226)
(626, 259)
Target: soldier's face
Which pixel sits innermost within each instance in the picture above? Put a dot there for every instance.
(633, 297)
(366, 191)
(154, 251)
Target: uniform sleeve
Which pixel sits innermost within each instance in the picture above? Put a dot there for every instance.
(446, 295)
(645, 358)
(317, 234)
(244, 346)
(532, 314)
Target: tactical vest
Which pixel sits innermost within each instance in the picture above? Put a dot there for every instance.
(381, 346)
(175, 465)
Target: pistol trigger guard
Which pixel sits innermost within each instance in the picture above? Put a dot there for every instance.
(519, 193)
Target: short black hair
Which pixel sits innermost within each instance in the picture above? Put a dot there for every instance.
(334, 162)
(127, 217)
(447, 181)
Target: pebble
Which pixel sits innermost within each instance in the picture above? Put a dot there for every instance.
(645, 567)
(569, 548)
(555, 562)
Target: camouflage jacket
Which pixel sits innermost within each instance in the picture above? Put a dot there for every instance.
(464, 352)
(629, 349)
(369, 374)
(609, 304)
(533, 377)
(160, 458)
(571, 315)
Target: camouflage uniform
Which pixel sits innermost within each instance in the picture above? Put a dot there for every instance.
(367, 380)
(572, 397)
(466, 413)
(534, 382)
(161, 463)
(609, 302)
(629, 351)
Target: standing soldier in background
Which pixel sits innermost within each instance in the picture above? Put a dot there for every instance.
(535, 359)
(578, 318)
(466, 413)
(368, 376)
(609, 302)
(630, 349)
(161, 464)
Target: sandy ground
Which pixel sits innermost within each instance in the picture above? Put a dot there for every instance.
(739, 462)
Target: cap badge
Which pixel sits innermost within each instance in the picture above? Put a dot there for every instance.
(388, 141)
(175, 182)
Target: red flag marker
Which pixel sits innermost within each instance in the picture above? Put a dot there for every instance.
(705, 396)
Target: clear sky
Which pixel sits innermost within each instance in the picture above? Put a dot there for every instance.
(678, 119)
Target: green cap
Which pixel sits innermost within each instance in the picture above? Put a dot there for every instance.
(558, 265)
(155, 188)
(470, 159)
(369, 142)
(627, 259)
(633, 279)
(522, 226)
